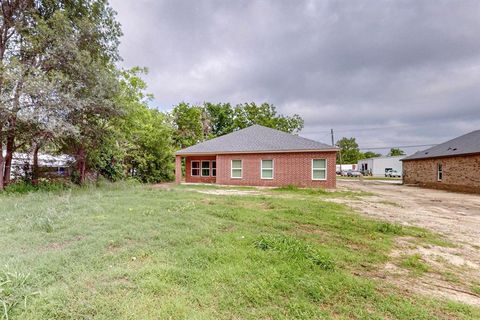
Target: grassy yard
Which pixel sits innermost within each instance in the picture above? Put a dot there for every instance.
(135, 252)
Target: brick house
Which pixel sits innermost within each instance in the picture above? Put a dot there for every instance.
(259, 156)
(453, 165)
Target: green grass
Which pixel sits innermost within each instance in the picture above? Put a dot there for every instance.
(133, 252)
(415, 263)
(320, 192)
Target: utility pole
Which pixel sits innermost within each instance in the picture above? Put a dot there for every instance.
(339, 151)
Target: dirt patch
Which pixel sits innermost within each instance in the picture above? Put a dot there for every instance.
(456, 216)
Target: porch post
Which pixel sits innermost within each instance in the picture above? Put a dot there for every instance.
(178, 169)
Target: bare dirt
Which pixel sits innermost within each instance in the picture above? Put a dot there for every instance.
(454, 272)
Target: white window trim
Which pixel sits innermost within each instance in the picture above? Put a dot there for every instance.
(261, 169)
(326, 169)
(231, 169)
(438, 171)
(211, 168)
(199, 168)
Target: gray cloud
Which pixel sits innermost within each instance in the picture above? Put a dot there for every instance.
(411, 69)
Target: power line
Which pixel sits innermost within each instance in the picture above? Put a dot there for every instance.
(388, 147)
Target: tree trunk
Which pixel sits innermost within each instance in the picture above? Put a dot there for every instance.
(81, 165)
(35, 171)
(12, 122)
(1, 160)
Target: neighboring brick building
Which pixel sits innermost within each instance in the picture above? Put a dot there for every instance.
(259, 156)
(453, 165)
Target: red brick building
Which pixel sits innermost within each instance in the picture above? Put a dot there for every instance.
(259, 156)
(453, 165)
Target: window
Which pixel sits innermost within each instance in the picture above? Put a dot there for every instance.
(205, 168)
(195, 168)
(236, 169)
(439, 172)
(319, 169)
(214, 168)
(267, 169)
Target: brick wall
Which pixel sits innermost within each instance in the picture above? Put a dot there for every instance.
(289, 169)
(198, 179)
(461, 173)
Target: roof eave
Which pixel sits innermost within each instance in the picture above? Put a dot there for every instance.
(179, 153)
(441, 156)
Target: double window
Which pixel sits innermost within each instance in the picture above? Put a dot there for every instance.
(439, 172)
(203, 168)
(267, 169)
(236, 169)
(319, 169)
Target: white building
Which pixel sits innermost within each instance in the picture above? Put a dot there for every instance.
(56, 165)
(378, 166)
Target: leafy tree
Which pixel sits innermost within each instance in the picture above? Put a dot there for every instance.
(350, 152)
(396, 152)
(143, 134)
(57, 75)
(248, 114)
(221, 116)
(371, 154)
(188, 125)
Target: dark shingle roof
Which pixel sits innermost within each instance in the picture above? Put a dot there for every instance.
(466, 144)
(253, 139)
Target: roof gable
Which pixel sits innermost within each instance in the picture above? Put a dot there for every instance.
(467, 144)
(255, 138)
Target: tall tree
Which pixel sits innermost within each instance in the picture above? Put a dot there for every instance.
(248, 114)
(371, 154)
(188, 125)
(349, 150)
(396, 152)
(144, 135)
(221, 117)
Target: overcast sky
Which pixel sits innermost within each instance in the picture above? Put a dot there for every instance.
(390, 73)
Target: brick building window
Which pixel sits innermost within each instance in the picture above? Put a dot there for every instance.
(267, 169)
(214, 168)
(319, 169)
(205, 168)
(236, 169)
(195, 168)
(439, 172)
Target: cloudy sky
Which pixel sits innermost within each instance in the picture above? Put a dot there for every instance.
(390, 73)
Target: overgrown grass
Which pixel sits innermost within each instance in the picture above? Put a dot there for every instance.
(126, 251)
(22, 187)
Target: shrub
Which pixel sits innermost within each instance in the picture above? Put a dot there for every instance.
(22, 187)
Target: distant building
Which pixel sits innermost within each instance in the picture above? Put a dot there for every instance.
(453, 165)
(49, 165)
(378, 166)
(346, 167)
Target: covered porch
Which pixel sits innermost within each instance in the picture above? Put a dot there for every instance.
(198, 168)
